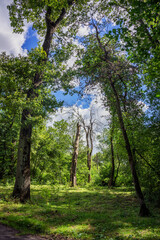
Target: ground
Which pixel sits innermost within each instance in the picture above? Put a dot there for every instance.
(90, 213)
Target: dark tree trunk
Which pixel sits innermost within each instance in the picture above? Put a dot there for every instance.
(22, 184)
(111, 181)
(74, 157)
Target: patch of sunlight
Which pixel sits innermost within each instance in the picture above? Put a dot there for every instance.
(79, 190)
(40, 187)
(62, 207)
(122, 224)
(147, 233)
(126, 232)
(112, 192)
(74, 229)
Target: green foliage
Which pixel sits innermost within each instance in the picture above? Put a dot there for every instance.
(82, 170)
(33, 11)
(9, 127)
(139, 33)
(16, 80)
(17, 74)
(51, 156)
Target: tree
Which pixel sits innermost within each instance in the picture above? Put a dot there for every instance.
(44, 16)
(112, 181)
(101, 63)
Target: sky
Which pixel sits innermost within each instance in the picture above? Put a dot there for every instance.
(16, 44)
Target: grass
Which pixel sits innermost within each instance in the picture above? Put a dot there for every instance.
(81, 213)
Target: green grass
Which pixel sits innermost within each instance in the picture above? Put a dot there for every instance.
(81, 213)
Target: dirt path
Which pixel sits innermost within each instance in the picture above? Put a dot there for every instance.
(8, 233)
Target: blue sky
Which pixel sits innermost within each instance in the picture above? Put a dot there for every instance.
(70, 100)
(31, 39)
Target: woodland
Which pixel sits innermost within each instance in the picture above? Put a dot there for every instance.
(52, 180)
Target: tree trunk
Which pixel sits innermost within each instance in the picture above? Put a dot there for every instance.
(74, 157)
(111, 181)
(144, 211)
(22, 184)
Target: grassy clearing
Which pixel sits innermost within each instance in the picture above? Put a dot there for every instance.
(82, 213)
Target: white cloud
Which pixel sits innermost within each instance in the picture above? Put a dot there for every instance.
(10, 42)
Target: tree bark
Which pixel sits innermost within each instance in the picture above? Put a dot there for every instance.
(111, 181)
(22, 183)
(75, 156)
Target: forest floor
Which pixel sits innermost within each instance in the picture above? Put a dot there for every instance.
(92, 213)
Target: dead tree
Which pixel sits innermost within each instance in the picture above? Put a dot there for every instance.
(89, 140)
(88, 128)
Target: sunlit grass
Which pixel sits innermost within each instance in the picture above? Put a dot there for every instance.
(82, 213)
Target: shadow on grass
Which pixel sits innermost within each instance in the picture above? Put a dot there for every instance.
(99, 213)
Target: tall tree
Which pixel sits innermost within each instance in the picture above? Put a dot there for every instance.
(102, 64)
(111, 181)
(45, 16)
